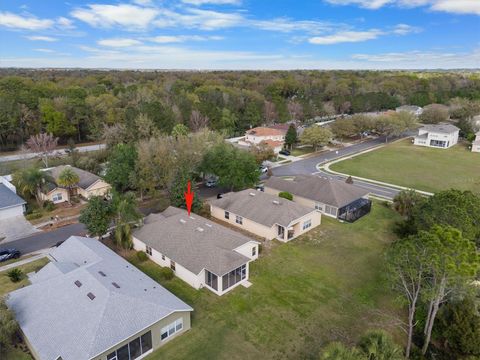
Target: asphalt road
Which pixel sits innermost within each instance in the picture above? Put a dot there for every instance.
(309, 166)
(44, 240)
(59, 152)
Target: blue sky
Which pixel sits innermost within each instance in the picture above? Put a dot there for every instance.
(241, 34)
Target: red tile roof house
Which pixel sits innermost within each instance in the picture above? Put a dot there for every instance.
(273, 137)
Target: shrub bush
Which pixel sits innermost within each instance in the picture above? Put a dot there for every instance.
(142, 256)
(166, 273)
(286, 195)
(34, 215)
(48, 205)
(15, 275)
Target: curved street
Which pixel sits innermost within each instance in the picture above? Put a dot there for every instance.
(311, 166)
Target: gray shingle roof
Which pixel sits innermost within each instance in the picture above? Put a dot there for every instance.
(59, 319)
(325, 190)
(86, 178)
(262, 208)
(441, 128)
(179, 237)
(8, 198)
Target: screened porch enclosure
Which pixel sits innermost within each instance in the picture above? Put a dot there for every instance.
(225, 282)
(355, 210)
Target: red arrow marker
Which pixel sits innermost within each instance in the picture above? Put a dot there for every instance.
(188, 198)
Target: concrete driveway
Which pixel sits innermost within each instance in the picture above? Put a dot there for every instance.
(15, 228)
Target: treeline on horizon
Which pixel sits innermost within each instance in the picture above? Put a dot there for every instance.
(83, 104)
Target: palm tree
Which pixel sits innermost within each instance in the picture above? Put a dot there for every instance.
(338, 351)
(126, 215)
(30, 182)
(377, 345)
(68, 179)
(405, 201)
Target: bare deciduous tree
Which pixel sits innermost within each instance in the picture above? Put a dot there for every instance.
(295, 110)
(43, 144)
(270, 112)
(198, 121)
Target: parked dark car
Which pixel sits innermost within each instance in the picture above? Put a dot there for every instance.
(58, 243)
(284, 152)
(7, 254)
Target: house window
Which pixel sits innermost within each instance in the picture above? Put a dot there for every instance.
(163, 257)
(254, 251)
(331, 210)
(211, 280)
(234, 276)
(171, 329)
(148, 250)
(318, 206)
(227, 215)
(307, 224)
(57, 197)
(134, 349)
(239, 220)
(172, 265)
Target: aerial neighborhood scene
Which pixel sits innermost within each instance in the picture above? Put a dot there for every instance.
(238, 179)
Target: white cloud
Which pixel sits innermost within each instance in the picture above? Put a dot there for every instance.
(404, 29)
(208, 19)
(211, 2)
(129, 17)
(457, 6)
(65, 23)
(287, 25)
(45, 50)
(118, 42)
(449, 6)
(368, 4)
(41, 38)
(166, 39)
(427, 58)
(168, 57)
(27, 22)
(346, 37)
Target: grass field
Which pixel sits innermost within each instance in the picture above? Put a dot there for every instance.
(422, 168)
(6, 285)
(326, 285)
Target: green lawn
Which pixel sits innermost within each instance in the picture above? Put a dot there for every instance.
(302, 151)
(422, 168)
(6, 285)
(326, 285)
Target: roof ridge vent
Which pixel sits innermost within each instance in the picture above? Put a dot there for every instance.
(183, 221)
(200, 229)
(91, 296)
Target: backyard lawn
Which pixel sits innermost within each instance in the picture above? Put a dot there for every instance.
(326, 285)
(6, 285)
(422, 168)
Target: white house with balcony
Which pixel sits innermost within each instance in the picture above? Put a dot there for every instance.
(441, 136)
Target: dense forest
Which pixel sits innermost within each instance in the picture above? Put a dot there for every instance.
(83, 104)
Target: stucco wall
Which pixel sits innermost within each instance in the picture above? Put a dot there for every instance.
(246, 250)
(248, 225)
(50, 195)
(156, 332)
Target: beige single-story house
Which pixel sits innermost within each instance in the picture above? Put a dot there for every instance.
(332, 197)
(265, 215)
(89, 185)
(88, 303)
(476, 143)
(200, 252)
